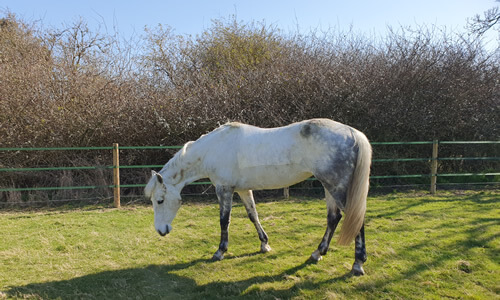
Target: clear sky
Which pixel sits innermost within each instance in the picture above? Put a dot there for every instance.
(191, 17)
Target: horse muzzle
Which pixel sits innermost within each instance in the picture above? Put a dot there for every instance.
(168, 228)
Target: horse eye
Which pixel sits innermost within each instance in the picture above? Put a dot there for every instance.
(160, 201)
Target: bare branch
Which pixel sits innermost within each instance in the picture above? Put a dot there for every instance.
(480, 25)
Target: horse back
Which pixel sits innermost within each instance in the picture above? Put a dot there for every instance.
(303, 148)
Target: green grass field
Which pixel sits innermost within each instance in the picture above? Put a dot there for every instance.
(419, 247)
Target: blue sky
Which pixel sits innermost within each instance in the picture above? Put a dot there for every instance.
(192, 17)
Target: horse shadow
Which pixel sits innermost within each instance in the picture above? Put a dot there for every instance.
(161, 282)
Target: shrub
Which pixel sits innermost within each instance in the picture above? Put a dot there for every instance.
(79, 87)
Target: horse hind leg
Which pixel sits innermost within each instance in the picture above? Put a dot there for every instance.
(249, 202)
(334, 216)
(333, 219)
(359, 253)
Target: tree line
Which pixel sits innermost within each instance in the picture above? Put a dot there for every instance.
(77, 86)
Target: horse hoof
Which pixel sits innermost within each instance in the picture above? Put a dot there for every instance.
(357, 270)
(315, 257)
(265, 248)
(218, 256)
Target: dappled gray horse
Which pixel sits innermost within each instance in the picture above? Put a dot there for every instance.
(241, 158)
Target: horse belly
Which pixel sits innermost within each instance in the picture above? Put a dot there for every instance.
(270, 177)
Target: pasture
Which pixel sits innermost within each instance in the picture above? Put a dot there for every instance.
(419, 247)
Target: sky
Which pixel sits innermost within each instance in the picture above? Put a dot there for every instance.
(186, 17)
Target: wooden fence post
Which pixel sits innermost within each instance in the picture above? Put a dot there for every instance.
(116, 175)
(434, 165)
(286, 192)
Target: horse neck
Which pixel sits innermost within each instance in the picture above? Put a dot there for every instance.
(183, 168)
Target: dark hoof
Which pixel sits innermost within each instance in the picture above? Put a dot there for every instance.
(357, 270)
(315, 257)
(218, 256)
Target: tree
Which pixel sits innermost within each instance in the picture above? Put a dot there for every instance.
(479, 25)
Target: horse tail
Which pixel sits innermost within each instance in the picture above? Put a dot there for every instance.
(355, 207)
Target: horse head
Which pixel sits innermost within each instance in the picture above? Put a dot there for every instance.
(166, 202)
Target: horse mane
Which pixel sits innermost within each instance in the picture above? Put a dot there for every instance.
(180, 157)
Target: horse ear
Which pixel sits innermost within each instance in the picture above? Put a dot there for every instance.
(159, 178)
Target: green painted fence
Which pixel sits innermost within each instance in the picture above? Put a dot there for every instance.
(116, 166)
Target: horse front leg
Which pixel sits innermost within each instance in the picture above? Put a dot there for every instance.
(225, 196)
(249, 202)
(359, 253)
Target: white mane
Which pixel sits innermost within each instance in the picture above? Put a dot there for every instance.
(177, 159)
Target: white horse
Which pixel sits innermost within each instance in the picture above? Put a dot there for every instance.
(241, 158)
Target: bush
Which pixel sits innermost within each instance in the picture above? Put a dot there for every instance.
(79, 87)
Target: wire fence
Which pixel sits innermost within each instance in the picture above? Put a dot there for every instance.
(430, 178)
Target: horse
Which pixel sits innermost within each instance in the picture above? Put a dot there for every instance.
(240, 158)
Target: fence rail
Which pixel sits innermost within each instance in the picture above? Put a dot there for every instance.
(433, 174)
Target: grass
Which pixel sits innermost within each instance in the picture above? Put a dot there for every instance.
(419, 247)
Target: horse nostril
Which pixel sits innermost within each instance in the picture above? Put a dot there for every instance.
(168, 228)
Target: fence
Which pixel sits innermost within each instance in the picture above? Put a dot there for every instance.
(434, 159)
(432, 175)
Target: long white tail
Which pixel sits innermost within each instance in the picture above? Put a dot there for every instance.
(355, 208)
